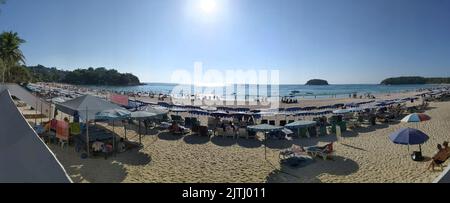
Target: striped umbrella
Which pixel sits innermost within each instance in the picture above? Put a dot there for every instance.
(416, 117)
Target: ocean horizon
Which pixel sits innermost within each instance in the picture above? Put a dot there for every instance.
(283, 90)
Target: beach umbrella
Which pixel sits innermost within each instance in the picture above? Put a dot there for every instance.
(113, 115)
(416, 117)
(159, 111)
(300, 124)
(219, 114)
(265, 128)
(178, 110)
(409, 136)
(297, 125)
(142, 115)
(356, 109)
(342, 111)
(352, 104)
(209, 108)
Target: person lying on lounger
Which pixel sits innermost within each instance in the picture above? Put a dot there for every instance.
(327, 148)
(175, 127)
(439, 157)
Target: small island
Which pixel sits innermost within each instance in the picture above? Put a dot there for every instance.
(414, 80)
(317, 82)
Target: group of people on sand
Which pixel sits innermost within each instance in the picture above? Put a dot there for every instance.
(441, 155)
(287, 100)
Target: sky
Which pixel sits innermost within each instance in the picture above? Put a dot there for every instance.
(342, 41)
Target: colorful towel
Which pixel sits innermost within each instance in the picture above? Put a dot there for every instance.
(75, 129)
(119, 99)
(62, 130)
(53, 124)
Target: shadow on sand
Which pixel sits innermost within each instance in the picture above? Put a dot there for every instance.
(277, 144)
(223, 141)
(134, 157)
(249, 143)
(195, 139)
(339, 166)
(169, 136)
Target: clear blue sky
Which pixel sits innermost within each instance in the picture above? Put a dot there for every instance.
(343, 41)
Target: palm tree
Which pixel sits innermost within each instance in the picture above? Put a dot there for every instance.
(10, 52)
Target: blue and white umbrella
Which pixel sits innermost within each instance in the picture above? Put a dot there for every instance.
(409, 136)
(415, 118)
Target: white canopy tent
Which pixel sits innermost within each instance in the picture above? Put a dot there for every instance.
(86, 107)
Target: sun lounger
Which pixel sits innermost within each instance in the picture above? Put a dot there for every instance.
(243, 132)
(324, 152)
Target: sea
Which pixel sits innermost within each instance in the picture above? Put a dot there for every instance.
(255, 91)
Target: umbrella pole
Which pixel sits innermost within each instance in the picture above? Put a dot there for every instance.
(140, 141)
(420, 148)
(87, 132)
(125, 128)
(114, 139)
(265, 145)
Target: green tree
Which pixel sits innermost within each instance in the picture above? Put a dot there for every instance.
(19, 74)
(10, 52)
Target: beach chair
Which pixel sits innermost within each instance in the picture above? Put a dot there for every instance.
(188, 122)
(251, 135)
(230, 133)
(313, 131)
(324, 152)
(177, 119)
(220, 132)
(303, 132)
(242, 132)
(181, 130)
(204, 131)
(195, 122)
(323, 130)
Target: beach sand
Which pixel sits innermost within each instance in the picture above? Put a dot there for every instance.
(363, 155)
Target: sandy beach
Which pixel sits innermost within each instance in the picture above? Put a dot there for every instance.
(363, 155)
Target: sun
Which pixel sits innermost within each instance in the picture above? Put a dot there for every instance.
(208, 6)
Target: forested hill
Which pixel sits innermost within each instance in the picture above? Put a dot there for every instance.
(415, 80)
(90, 76)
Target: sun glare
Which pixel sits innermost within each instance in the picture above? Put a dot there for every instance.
(208, 6)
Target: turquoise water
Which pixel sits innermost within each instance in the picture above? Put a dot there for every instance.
(301, 91)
